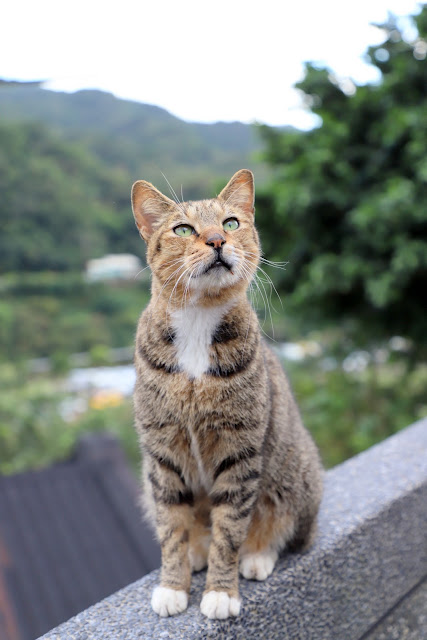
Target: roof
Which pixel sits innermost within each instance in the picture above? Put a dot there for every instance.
(70, 535)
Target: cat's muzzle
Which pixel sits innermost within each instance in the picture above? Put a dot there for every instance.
(218, 261)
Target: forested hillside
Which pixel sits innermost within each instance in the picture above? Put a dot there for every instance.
(143, 139)
(67, 162)
(59, 204)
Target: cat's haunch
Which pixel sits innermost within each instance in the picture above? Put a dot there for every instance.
(231, 477)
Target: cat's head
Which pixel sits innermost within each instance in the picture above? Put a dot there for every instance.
(203, 248)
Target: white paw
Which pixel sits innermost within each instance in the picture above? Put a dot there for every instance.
(168, 602)
(218, 604)
(258, 566)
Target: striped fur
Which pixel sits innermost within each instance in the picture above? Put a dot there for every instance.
(230, 474)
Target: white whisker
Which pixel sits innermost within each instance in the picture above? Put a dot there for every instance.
(277, 265)
(174, 196)
(255, 280)
(167, 281)
(175, 286)
(272, 287)
(143, 269)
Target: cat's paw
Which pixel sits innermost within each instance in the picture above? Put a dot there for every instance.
(218, 604)
(258, 566)
(168, 602)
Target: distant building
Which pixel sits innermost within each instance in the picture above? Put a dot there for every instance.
(70, 535)
(120, 266)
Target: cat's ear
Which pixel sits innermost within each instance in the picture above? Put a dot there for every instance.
(149, 207)
(240, 191)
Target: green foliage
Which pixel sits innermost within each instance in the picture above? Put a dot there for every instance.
(54, 315)
(133, 135)
(349, 204)
(100, 355)
(31, 429)
(67, 162)
(56, 202)
(33, 433)
(348, 412)
(60, 362)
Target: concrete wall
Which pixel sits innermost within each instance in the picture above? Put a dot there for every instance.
(365, 577)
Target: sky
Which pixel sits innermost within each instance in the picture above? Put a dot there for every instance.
(202, 61)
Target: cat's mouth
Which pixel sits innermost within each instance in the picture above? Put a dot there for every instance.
(218, 263)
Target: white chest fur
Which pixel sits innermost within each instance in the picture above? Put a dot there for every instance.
(194, 327)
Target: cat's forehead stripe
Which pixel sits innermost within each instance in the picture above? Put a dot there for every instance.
(207, 210)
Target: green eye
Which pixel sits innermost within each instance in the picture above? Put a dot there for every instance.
(184, 230)
(231, 224)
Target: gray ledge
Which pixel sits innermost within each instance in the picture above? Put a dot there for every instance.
(369, 563)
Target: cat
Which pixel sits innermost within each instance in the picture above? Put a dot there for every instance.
(230, 475)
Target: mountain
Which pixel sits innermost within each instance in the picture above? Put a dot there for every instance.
(143, 140)
(67, 162)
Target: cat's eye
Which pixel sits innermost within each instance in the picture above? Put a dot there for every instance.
(184, 230)
(231, 224)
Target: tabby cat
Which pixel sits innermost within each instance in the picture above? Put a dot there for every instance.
(231, 476)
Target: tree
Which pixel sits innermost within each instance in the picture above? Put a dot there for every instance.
(349, 199)
(59, 206)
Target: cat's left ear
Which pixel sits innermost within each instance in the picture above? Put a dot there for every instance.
(240, 191)
(149, 207)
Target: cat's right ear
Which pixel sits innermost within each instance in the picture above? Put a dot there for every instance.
(149, 207)
(240, 191)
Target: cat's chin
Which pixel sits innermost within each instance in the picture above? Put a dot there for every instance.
(215, 279)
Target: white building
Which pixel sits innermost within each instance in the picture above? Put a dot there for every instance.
(120, 266)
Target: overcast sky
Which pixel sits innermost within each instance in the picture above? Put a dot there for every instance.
(203, 61)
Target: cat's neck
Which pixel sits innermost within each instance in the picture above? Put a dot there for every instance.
(194, 328)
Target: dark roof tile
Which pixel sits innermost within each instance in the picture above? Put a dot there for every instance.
(70, 535)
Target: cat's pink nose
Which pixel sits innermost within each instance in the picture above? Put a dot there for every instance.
(216, 240)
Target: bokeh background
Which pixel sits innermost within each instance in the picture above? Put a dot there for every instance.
(327, 104)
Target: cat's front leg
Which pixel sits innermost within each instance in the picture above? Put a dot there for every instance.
(174, 514)
(231, 515)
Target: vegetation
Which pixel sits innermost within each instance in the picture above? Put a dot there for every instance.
(65, 176)
(346, 410)
(35, 430)
(54, 315)
(139, 140)
(346, 206)
(59, 205)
